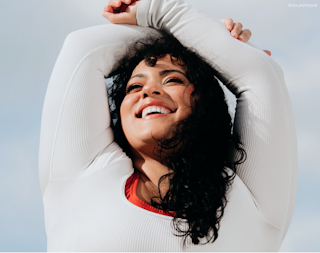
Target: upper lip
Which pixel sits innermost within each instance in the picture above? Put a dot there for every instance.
(153, 102)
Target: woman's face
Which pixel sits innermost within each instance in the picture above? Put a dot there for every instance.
(157, 97)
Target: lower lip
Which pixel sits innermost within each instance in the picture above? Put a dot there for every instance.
(153, 116)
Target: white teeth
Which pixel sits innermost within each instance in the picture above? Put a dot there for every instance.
(144, 113)
(152, 109)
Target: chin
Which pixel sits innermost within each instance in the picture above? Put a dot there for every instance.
(146, 138)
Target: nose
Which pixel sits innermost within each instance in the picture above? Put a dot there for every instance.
(152, 88)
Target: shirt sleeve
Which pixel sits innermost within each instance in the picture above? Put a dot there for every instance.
(75, 125)
(263, 120)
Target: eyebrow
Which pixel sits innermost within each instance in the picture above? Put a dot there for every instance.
(162, 73)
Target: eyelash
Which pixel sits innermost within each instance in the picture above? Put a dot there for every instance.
(175, 79)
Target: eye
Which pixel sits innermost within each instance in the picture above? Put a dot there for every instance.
(134, 87)
(174, 80)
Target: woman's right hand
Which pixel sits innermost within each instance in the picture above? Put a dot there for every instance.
(237, 32)
(121, 11)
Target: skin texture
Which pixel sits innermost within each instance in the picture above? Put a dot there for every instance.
(140, 132)
(161, 83)
(165, 82)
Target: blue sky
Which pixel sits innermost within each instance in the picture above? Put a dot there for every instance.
(32, 34)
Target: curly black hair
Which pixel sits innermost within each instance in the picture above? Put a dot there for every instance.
(197, 148)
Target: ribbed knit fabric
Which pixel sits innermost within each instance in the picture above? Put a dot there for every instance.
(131, 189)
(83, 172)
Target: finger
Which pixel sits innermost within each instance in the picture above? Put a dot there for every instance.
(268, 52)
(245, 35)
(236, 30)
(112, 9)
(228, 22)
(111, 16)
(118, 3)
(126, 7)
(123, 7)
(115, 5)
(109, 8)
(117, 18)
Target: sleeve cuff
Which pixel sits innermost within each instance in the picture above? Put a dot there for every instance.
(142, 12)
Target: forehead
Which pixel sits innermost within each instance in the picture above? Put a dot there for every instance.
(162, 63)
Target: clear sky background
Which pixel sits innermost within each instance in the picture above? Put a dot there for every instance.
(31, 36)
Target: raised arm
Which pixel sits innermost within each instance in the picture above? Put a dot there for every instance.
(263, 118)
(75, 125)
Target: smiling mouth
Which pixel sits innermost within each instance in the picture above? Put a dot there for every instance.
(154, 112)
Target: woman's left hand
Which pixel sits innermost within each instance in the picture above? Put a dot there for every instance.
(237, 32)
(236, 29)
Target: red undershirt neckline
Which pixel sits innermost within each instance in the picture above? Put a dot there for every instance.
(131, 194)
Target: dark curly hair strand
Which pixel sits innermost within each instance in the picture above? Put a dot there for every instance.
(197, 148)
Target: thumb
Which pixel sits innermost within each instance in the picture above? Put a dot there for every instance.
(118, 18)
(268, 52)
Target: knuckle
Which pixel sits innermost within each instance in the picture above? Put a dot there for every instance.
(239, 24)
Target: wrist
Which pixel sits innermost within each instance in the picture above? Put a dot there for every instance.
(142, 12)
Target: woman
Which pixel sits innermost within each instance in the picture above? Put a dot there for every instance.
(84, 173)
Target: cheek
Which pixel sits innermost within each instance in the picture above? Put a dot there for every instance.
(127, 113)
(185, 95)
(124, 113)
(189, 91)
(126, 107)
(187, 102)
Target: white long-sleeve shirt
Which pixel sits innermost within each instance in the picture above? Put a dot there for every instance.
(83, 171)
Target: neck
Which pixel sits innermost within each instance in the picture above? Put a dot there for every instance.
(151, 170)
